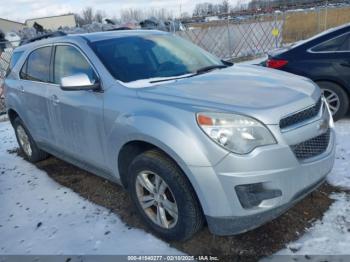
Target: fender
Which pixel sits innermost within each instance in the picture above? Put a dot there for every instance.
(13, 103)
(170, 136)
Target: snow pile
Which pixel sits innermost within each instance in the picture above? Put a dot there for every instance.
(39, 216)
(340, 175)
(331, 235)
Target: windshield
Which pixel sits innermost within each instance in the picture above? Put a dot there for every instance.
(134, 58)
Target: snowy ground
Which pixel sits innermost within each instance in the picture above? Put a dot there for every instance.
(331, 235)
(39, 216)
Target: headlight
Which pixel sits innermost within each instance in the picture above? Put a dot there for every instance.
(237, 133)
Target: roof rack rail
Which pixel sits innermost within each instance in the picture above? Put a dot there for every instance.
(119, 28)
(44, 36)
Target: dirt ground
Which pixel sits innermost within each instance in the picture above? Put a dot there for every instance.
(252, 245)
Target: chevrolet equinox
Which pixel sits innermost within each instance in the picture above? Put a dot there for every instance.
(192, 138)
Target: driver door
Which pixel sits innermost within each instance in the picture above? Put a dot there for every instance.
(77, 115)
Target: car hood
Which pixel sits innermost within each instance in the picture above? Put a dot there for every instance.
(264, 93)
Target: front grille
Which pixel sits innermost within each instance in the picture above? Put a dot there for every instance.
(312, 147)
(301, 116)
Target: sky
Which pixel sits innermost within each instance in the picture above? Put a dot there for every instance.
(20, 10)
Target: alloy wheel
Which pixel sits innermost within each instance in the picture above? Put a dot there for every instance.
(332, 100)
(156, 199)
(24, 140)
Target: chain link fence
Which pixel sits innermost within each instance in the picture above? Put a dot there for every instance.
(5, 57)
(241, 37)
(231, 39)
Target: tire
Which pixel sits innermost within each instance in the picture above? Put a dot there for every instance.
(329, 88)
(180, 193)
(33, 154)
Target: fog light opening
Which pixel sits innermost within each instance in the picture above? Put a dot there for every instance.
(252, 195)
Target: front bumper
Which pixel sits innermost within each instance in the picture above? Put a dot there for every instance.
(236, 225)
(275, 167)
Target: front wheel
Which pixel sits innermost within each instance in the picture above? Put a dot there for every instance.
(337, 98)
(163, 196)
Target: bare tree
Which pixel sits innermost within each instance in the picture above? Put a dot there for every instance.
(161, 14)
(206, 8)
(138, 15)
(99, 15)
(131, 14)
(225, 7)
(88, 15)
(79, 20)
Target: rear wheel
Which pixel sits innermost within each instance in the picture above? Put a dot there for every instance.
(336, 97)
(163, 196)
(27, 144)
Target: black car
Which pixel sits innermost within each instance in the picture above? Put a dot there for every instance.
(324, 58)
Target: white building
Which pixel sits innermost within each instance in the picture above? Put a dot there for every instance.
(10, 26)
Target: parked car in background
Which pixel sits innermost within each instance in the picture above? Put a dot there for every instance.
(324, 58)
(192, 138)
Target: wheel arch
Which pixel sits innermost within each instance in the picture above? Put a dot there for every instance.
(133, 148)
(334, 81)
(12, 114)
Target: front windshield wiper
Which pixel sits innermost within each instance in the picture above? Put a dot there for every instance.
(172, 78)
(197, 72)
(209, 68)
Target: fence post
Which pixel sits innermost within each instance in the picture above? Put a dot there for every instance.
(326, 16)
(229, 38)
(276, 37)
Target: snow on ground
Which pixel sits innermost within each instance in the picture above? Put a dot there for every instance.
(39, 216)
(340, 176)
(331, 235)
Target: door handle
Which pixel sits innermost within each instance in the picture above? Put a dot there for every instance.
(55, 100)
(21, 88)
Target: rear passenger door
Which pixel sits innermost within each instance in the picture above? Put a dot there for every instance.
(34, 88)
(77, 116)
(336, 52)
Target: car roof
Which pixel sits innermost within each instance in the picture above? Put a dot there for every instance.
(91, 37)
(99, 36)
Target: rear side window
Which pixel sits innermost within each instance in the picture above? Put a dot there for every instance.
(37, 66)
(14, 59)
(338, 44)
(69, 61)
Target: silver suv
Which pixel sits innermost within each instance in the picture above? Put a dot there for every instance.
(193, 139)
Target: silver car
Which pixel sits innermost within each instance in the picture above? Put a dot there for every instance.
(193, 139)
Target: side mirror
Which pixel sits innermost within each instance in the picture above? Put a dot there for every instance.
(78, 82)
